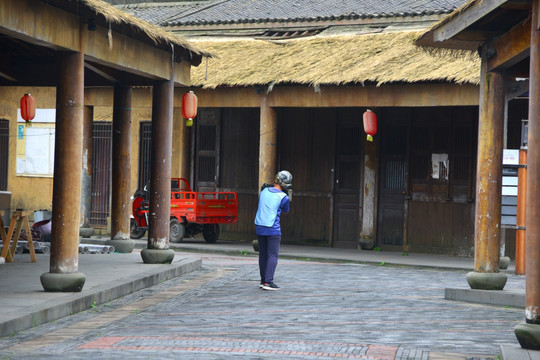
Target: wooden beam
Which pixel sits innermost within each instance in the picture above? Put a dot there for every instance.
(101, 72)
(477, 36)
(345, 96)
(465, 19)
(511, 47)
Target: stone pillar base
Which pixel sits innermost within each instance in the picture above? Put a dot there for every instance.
(86, 232)
(124, 246)
(156, 256)
(504, 262)
(486, 281)
(58, 282)
(528, 336)
(367, 243)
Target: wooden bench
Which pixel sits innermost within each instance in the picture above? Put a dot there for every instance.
(19, 219)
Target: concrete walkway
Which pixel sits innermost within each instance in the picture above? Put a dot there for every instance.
(24, 304)
(110, 276)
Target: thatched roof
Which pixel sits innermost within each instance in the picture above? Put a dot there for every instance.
(331, 60)
(114, 15)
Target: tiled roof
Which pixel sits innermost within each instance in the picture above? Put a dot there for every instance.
(159, 13)
(252, 11)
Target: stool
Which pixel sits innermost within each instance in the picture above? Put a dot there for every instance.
(18, 219)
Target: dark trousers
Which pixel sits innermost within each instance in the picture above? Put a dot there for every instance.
(268, 256)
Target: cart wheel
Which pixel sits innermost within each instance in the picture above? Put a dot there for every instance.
(211, 232)
(135, 233)
(177, 231)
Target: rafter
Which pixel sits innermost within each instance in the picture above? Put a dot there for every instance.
(465, 19)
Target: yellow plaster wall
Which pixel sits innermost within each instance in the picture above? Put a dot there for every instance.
(27, 192)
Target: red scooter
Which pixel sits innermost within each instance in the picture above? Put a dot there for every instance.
(139, 217)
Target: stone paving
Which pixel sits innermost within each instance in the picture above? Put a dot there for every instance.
(323, 311)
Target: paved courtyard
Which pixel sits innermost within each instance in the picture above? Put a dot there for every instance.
(323, 311)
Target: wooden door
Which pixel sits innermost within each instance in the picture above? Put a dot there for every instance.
(348, 181)
(207, 150)
(392, 184)
(101, 172)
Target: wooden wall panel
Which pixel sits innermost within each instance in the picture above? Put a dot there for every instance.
(441, 228)
(244, 227)
(239, 149)
(307, 222)
(239, 155)
(306, 141)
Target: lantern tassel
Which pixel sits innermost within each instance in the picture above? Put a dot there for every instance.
(369, 138)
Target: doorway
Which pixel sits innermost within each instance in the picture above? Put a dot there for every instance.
(207, 150)
(348, 181)
(101, 170)
(392, 184)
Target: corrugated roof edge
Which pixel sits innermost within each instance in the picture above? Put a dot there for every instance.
(352, 16)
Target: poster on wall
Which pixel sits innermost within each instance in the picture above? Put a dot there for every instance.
(35, 144)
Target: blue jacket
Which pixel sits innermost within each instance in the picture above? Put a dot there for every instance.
(272, 203)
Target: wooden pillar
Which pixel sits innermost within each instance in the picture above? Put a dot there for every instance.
(369, 196)
(86, 180)
(267, 142)
(528, 334)
(521, 211)
(160, 175)
(488, 183)
(64, 258)
(532, 217)
(121, 171)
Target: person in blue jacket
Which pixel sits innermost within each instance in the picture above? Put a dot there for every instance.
(273, 202)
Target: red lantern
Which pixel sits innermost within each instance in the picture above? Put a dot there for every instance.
(28, 107)
(189, 107)
(370, 124)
